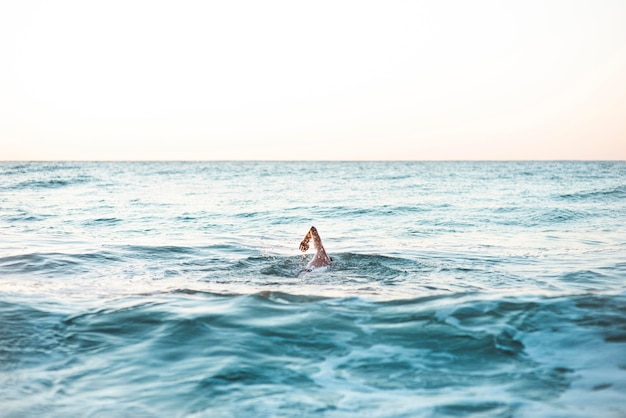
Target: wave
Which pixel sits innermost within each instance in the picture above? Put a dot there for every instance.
(102, 222)
(208, 258)
(45, 175)
(273, 353)
(16, 168)
(611, 193)
(344, 266)
(551, 216)
(54, 262)
(117, 269)
(380, 210)
(592, 280)
(43, 184)
(159, 250)
(21, 215)
(28, 336)
(54, 183)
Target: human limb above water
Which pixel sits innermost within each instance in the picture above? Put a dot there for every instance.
(320, 259)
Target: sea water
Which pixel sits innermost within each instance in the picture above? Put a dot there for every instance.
(489, 289)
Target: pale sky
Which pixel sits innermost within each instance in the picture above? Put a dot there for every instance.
(321, 80)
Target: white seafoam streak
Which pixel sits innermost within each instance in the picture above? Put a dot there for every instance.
(329, 80)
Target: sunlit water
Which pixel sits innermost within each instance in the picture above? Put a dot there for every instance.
(171, 289)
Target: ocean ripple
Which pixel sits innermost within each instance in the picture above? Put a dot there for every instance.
(306, 355)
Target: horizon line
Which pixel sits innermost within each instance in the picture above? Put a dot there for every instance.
(305, 161)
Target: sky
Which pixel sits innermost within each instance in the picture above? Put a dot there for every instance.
(317, 80)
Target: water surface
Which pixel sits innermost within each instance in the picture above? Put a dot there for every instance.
(457, 289)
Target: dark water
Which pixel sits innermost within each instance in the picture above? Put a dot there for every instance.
(170, 289)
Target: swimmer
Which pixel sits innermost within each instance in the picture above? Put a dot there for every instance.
(320, 259)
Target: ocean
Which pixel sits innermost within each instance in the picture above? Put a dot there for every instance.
(457, 289)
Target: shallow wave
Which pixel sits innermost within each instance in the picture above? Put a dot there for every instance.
(377, 267)
(16, 168)
(60, 263)
(274, 353)
(611, 193)
(122, 270)
(52, 183)
(376, 211)
(102, 222)
(22, 215)
(159, 250)
(552, 216)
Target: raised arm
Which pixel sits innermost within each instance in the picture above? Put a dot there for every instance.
(321, 258)
(304, 245)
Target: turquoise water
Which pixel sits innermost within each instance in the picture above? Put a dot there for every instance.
(488, 289)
